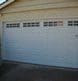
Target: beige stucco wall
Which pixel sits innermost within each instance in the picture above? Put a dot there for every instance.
(28, 5)
(42, 14)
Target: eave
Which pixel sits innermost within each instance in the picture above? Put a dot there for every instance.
(6, 3)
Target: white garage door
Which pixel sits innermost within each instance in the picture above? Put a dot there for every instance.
(49, 42)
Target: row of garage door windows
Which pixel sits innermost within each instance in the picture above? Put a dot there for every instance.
(45, 24)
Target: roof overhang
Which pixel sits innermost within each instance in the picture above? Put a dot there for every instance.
(6, 3)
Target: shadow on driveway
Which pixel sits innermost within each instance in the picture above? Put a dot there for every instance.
(22, 72)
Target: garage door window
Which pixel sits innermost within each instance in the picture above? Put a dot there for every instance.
(31, 24)
(13, 25)
(72, 23)
(53, 23)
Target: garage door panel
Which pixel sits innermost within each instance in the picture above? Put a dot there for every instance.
(48, 45)
(63, 44)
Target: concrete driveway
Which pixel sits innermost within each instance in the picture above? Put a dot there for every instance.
(28, 72)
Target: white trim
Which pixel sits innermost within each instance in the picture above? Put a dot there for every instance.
(5, 4)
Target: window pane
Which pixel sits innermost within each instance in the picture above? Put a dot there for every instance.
(72, 23)
(31, 24)
(13, 25)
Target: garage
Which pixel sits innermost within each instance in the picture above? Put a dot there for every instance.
(48, 41)
(44, 32)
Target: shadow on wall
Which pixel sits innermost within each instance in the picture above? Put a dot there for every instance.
(0, 51)
(0, 47)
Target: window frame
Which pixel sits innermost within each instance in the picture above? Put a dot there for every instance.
(13, 25)
(31, 24)
(72, 23)
(53, 23)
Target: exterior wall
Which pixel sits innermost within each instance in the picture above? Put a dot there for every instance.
(42, 14)
(20, 5)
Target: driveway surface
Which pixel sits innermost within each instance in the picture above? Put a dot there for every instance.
(25, 72)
